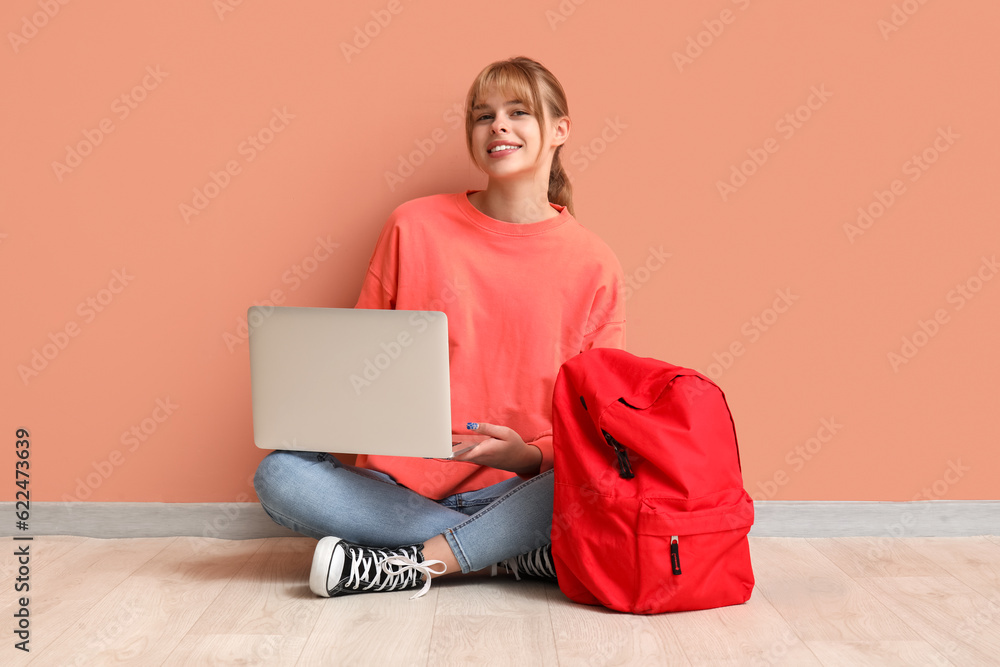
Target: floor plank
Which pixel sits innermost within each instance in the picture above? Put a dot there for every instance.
(877, 556)
(949, 615)
(225, 650)
(263, 597)
(878, 654)
(371, 629)
(496, 621)
(750, 633)
(143, 618)
(816, 598)
(596, 636)
(975, 561)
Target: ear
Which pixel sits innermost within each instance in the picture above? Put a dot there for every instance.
(560, 131)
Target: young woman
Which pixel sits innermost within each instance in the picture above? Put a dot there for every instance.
(525, 287)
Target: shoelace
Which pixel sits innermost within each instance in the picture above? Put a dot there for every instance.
(372, 565)
(535, 563)
(409, 568)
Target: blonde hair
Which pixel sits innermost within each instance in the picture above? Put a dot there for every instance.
(527, 80)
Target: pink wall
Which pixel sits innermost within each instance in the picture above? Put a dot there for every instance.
(771, 286)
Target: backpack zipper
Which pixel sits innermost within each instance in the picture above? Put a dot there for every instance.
(675, 554)
(624, 467)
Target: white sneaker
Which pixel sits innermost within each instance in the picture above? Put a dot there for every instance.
(340, 567)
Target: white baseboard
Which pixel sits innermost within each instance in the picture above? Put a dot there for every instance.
(836, 518)
(934, 518)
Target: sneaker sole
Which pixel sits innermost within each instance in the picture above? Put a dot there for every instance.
(319, 574)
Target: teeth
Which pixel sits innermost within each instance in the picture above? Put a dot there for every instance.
(502, 147)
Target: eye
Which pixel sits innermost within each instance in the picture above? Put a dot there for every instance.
(485, 115)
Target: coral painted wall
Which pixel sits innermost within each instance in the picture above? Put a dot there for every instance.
(803, 197)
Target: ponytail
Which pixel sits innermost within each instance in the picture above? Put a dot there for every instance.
(560, 188)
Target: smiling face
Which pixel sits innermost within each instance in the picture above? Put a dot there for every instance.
(506, 136)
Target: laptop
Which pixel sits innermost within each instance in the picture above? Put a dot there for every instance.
(352, 380)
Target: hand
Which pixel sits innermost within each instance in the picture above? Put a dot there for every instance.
(504, 450)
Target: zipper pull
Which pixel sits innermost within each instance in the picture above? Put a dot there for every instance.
(624, 467)
(675, 555)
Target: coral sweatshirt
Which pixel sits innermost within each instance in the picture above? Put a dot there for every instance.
(520, 299)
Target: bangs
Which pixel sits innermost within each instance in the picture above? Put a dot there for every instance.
(511, 81)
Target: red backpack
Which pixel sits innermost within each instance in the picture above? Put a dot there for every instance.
(650, 514)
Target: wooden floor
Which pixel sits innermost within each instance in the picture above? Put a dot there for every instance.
(195, 601)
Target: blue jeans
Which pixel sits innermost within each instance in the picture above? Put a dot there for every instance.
(315, 494)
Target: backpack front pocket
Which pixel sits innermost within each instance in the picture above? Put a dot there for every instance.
(694, 558)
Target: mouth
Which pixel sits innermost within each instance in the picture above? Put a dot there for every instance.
(500, 150)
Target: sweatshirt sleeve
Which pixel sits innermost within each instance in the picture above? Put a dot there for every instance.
(380, 286)
(544, 444)
(374, 294)
(607, 315)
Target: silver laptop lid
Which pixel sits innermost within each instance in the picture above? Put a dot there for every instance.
(349, 380)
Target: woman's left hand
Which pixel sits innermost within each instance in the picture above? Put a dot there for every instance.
(504, 449)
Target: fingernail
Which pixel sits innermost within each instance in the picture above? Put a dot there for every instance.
(472, 426)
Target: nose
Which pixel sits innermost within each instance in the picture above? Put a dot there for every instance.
(499, 126)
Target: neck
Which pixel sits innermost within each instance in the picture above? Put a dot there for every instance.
(519, 202)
